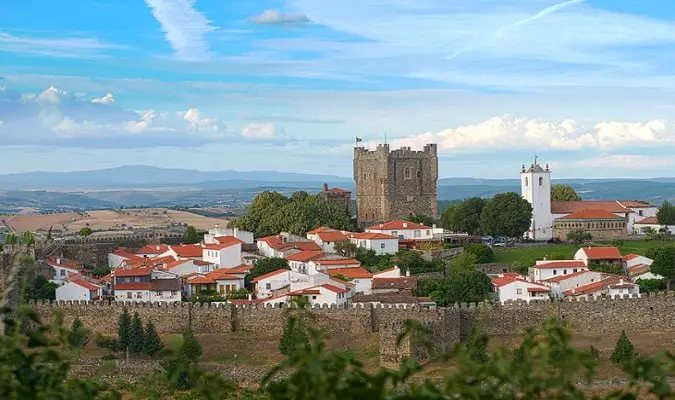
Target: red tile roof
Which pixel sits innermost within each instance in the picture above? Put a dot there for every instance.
(269, 275)
(64, 263)
(188, 250)
(153, 249)
(561, 264)
(332, 236)
(337, 190)
(304, 291)
(635, 204)
(373, 236)
(223, 244)
(143, 271)
(334, 289)
(568, 207)
(404, 282)
(350, 261)
(86, 285)
(629, 257)
(636, 270)
(240, 269)
(507, 280)
(304, 246)
(649, 221)
(538, 290)
(561, 278)
(398, 225)
(376, 273)
(125, 254)
(222, 275)
(200, 280)
(272, 241)
(602, 253)
(320, 229)
(133, 286)
(107, 278)
(305, 256)
(592, 214)
(175, 263)
(595, 286)
(351, 273)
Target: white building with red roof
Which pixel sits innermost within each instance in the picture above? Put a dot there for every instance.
(361, 277)
(221, 281)
(63, 268)
(639, 267)
(194, 251)
(324, 264)
(284, 244)
(267, 285)
(217, 232)
(326, 238)
(225, 253)
(611, 286)
(380, 243)
(545, 269)
(513, 287)
(403, 230)
(146, 284)
(599, 255)
(152, 250)
(562, 283)
(78, 290)
(118, 256)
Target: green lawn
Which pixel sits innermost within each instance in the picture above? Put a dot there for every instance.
(529, 255)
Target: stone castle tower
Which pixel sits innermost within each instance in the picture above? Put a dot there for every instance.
(395, 184)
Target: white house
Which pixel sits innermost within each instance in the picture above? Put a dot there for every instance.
(631, 260)
(599, 255)
(177, 251)
(562, 283)
(651, 223)
(146, 284)
(513, 287)
(152, 250)
(219, 280)
(326, 239)
(224, 254)
(283, 245)
(78, 289)
(63, 268)
(116, 257)
(217, 232)
(610, 285)
(268, 284)
(393, 272)
(544, 269)
(535, 187)
(328, 294)
(298, 262)
(359, 276)
(638, 267)
(404, 230)
(321, 265)
(380, 243)
(188, 266)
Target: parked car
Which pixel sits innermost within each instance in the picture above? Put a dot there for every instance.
(554, 240)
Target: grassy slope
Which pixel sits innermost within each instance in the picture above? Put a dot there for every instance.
(530, 254)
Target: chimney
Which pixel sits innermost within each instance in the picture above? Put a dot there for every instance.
(250, 296)
(405, 224)
(325, 187)
(58, 260)
(407, 273)
(545, 258)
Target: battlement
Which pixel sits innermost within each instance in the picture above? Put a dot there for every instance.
(383, 152)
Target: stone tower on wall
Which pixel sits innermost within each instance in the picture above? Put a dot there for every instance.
(395, 184)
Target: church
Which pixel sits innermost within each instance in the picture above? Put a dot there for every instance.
(606, 219)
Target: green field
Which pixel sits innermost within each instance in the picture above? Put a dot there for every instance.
(529, 255)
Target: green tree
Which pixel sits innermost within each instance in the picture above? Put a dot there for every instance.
(422, 219)
(136, 335)
(477, 346)
(28, 238)
(345, 248)
(482, 252)
(413, 262)
(624, 351)
(652, 285)
(463, 283)
(190, 349)
(294, 335)
(564, 193)
(78, 336)
(152, 344)
(664, 264)
(124, 330)
(266, 265)
(506, 214)
(86, 231)
(367, 257)
(100, 271)
(11, 239)
(41, 289)
(666, 214)
(464, 216)
(191, 235)
(579, 236)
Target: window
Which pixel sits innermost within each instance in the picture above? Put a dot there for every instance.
(268, 286)
(174, 292)
(137, 279)
(564, 272)
(555, 272)
(158, 293)
(63, 272)
(313, 297)
(394, 233)
(417, 233)
(428, 232)
(128, 295)
(574, 270)
(221, 289)
(519, 291)
(406, 173)
(382, 245)
(419, 173)
(640, 212)
(541, 181)
(526, 181)
(139, 295)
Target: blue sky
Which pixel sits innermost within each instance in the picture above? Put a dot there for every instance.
(287, 85)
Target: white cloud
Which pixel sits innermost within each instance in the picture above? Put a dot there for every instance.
(184, 26)
(276, 17)
(107, 99)
(203, 126)
(52, 95)
(66, 47)
(259, 131)
(509, 132)
(626, 162)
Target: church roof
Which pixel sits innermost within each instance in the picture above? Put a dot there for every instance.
(592, 214)
(568, 207)
(535, 168)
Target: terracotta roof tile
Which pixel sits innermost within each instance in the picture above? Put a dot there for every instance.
(398, 225)
(269, 275)
(635, 204)
(64, 263)
(305, 256)
(320, 229)
(143, 271)
(240, 269)
(188, 250)
(373, 236)
(201, 280)
(351, 273)
(560, 264)
(349, 261)
(332, 236)
(86, 285)
(232, 241)
(648, 221)
(133, 286)
(334, 289)
(602, 253)
(153, 249)
(561, 278)
(592, 214)
(125, 254)
(595, 286)
(568, 207)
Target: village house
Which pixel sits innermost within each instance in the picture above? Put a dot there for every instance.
(360, 276)
(639, 267)
(650, 223)
(78, 289)
(610, 286)
(599, 255)
(152, 250)
(118, 256)
(225, 253)
(63, 268)
(188, 266)
(380, 243)
(323, 264)
(217, 232)
(146, 284)
(545, 269)
(219, 281)
(326, 238)
(396, 285)
(403, 230)
(393, 272)
(194, 251)
(267, 285)
(298, 262)
(325, 294)
(513, 287)
(562, 283)
(283, 245)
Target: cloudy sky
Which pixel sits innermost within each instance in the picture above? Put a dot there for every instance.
(287, 85)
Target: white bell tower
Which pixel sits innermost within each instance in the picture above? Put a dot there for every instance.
(535, 185)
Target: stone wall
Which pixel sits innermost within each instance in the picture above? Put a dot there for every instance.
(599, 229)
(602, 317)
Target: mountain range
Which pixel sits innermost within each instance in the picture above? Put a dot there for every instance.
(159, 187)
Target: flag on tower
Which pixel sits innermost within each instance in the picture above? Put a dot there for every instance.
(358, 139)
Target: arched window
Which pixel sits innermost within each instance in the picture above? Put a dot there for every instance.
(419, 173)
(406, 173)
(526, 181)
(541, 181)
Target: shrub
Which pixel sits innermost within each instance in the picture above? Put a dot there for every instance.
(78, 335)
(190, 349)
(579, 236)
(594, 353)
(624, 351)
(293, 335)
(107, 342)
(483, 252)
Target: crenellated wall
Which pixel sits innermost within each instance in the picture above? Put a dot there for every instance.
(602, 317)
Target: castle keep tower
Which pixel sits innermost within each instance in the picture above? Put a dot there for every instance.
(535, 186)
(395, 185)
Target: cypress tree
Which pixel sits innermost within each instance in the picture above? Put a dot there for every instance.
(136, 339)
(292, 336)
(152, 344)
(78, 335)
(624, 351)
(124, 330)
(190, 349)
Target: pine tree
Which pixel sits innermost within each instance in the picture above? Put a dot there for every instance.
(79, 334)
(152, 344)
(190, 349)
(136, 335)
(292, 336)
(624, 351)
(124, 330)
